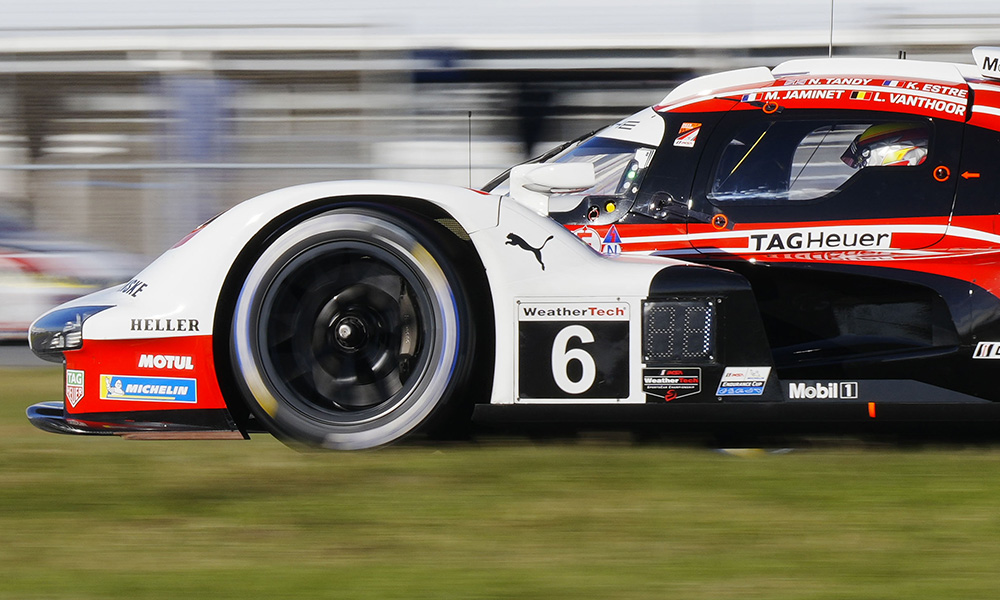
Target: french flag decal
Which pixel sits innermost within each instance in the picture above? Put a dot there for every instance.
(750, 97)
(892, 83)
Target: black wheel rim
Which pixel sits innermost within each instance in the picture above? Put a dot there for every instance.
(343, 331)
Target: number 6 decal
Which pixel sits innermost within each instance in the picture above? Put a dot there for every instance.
(562, 356)
(571, 351)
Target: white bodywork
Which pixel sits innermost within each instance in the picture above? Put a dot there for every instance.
(185, 282)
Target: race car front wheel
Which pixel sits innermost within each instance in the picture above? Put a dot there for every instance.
(351, 330)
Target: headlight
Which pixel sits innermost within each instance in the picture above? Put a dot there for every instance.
(60, 330)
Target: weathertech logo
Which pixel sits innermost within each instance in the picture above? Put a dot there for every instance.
(573, 311)
(987, 350)
(823, 391)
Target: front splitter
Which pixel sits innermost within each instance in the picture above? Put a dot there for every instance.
(51, 417)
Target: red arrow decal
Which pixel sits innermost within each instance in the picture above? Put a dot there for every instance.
(969, 175)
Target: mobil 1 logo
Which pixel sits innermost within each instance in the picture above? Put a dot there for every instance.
(569, 350)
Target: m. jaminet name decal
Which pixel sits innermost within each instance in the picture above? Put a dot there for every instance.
(819, 239)
(164, 325)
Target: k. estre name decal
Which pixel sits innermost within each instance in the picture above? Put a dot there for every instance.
(841, 238)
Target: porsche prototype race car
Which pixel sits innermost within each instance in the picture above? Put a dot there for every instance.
(816, 242)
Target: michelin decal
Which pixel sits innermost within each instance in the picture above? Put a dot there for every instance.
(149, 389)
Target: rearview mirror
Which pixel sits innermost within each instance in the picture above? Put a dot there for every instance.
(531, 184)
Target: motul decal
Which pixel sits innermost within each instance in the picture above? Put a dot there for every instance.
(160, 361)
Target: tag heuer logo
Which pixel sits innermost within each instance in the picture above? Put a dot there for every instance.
(74, 386)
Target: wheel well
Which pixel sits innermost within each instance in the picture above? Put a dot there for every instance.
(432, 219)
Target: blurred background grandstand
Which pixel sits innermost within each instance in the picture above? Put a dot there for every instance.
(126, 124)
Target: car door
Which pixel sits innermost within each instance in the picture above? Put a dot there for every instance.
(658, 220)
(804, 185)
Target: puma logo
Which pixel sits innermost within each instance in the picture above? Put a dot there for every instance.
(515, 240)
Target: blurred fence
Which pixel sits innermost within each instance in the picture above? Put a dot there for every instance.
(131, 134)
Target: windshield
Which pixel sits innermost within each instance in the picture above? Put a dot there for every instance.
(618, 168)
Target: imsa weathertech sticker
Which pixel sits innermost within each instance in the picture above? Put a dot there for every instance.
(149, 389)
(743, 381)
(569, 350)
(671, 383)
(74, 386)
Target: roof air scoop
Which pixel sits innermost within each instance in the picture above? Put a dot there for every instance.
(988, 60)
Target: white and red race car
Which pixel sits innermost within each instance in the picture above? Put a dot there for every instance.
(813, 243)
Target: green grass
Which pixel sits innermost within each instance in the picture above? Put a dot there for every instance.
(106, 518)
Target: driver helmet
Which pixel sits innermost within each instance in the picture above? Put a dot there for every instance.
(888, 144)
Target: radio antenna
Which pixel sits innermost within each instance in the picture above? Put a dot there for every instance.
(470, 149)
(831, 29)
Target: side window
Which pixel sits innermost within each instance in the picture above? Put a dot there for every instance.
(779, 162)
